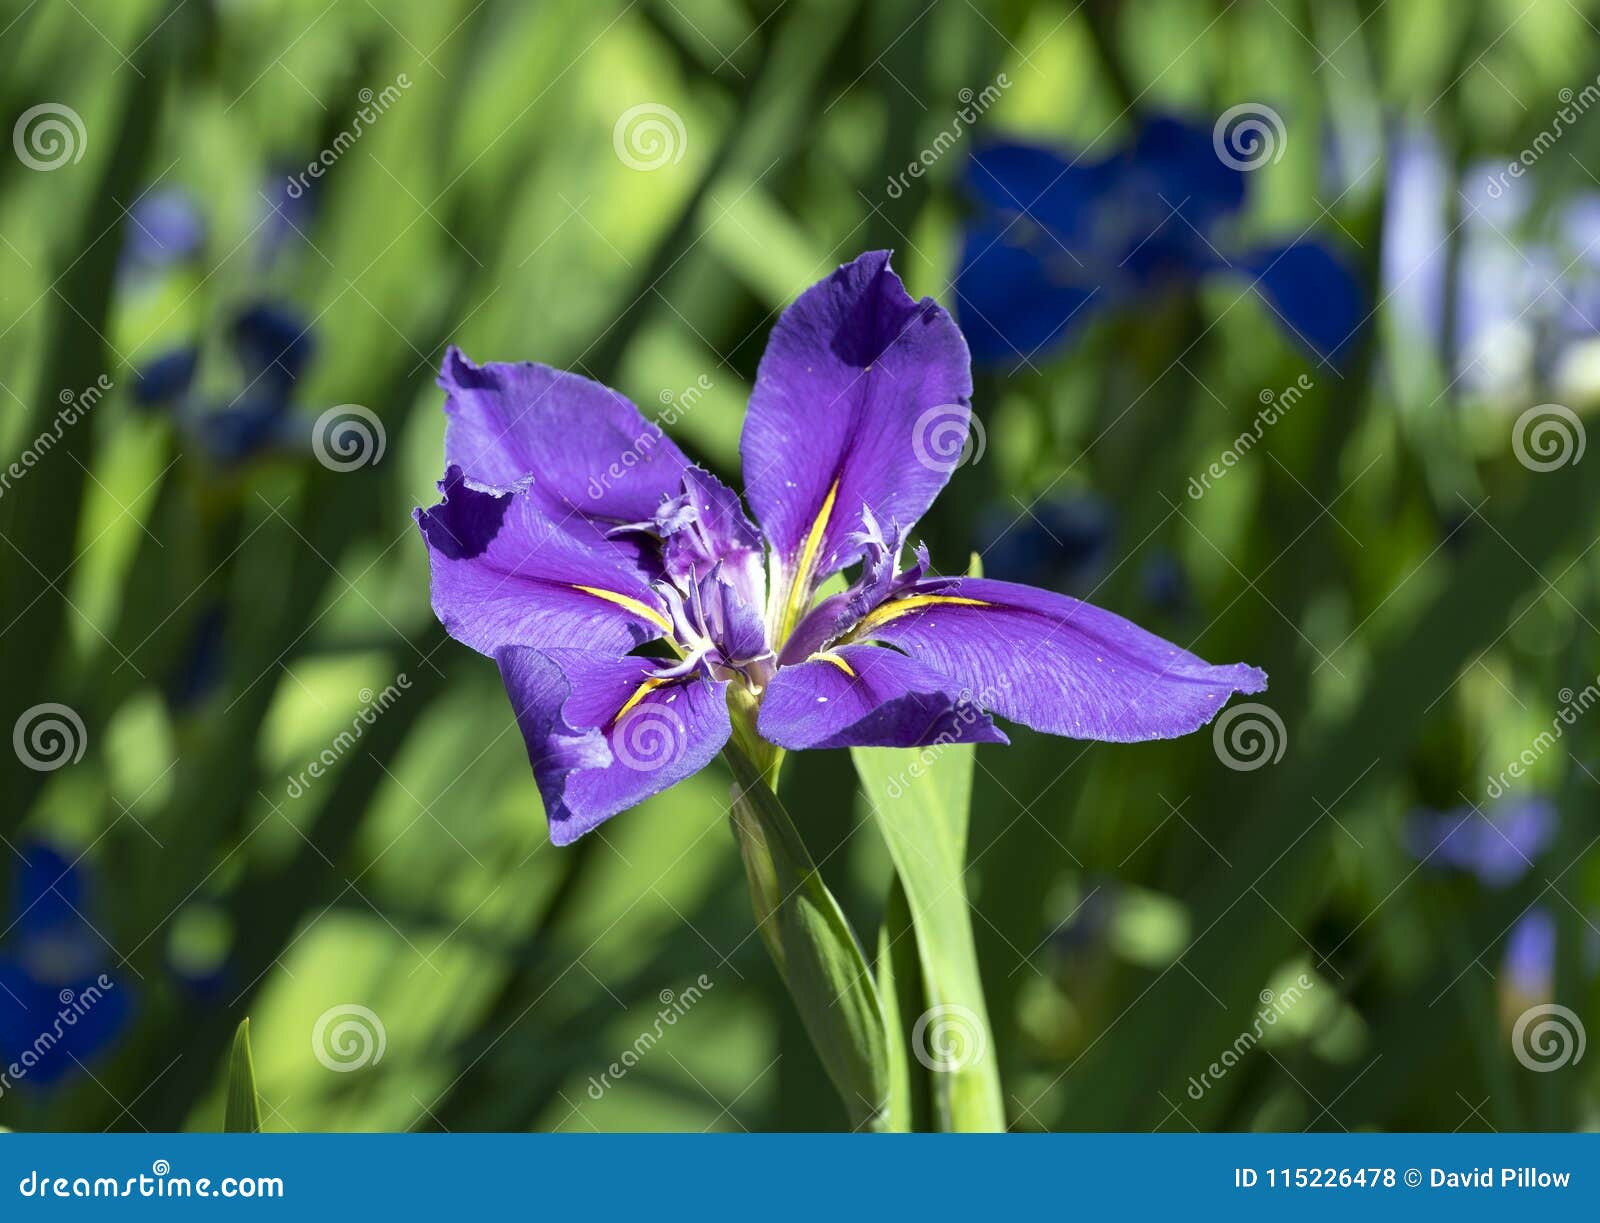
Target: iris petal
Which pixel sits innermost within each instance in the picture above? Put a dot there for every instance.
(506, 574)
(1055, 664)
(582, 447)
(861, 402)
(604, 733)
(868, 696)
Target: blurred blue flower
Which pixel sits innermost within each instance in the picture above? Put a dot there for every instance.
(272, 347)
(164, 227)
(167, 378)
(1164, 583)
(199, 667)
(1055, 239)
(286, 216)
(59, 1006)
(1061, 544)
(1530, 955)
(1497, 847)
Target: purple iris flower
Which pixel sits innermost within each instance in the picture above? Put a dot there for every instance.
(56, 1008)
(572, 533)
(1497, 846)
(1056, 238)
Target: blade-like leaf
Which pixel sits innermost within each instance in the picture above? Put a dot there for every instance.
(920, 799)
(814, 948)
(243, 1113)
(900, 990)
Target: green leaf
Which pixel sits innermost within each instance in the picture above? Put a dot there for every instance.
(900, 990)
(243, 1113)
(920, 799)
(815, 949)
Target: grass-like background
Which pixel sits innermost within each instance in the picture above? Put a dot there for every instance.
(1419, 598)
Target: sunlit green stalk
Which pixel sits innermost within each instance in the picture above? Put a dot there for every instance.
(806, 932)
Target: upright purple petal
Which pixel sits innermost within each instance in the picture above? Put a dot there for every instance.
(861, 402)
(505, 574)
(703, 527)
(582, 447)
(868, 696)
(605, 733)
(1054, 663)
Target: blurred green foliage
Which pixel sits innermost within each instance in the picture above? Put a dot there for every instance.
(1417, 596)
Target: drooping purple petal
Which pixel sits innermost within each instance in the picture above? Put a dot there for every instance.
(1054, 663)
(868, 696)
(861, 401)
(505, 574)
(604, 733)
(582, 447)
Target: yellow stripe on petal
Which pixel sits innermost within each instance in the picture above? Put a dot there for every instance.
(886, 612)
(798, 595)
(633, 605)
(836, 659)
(639, 693)
(808, 553)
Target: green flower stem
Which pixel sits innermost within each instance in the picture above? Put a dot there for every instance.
(811, 942)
